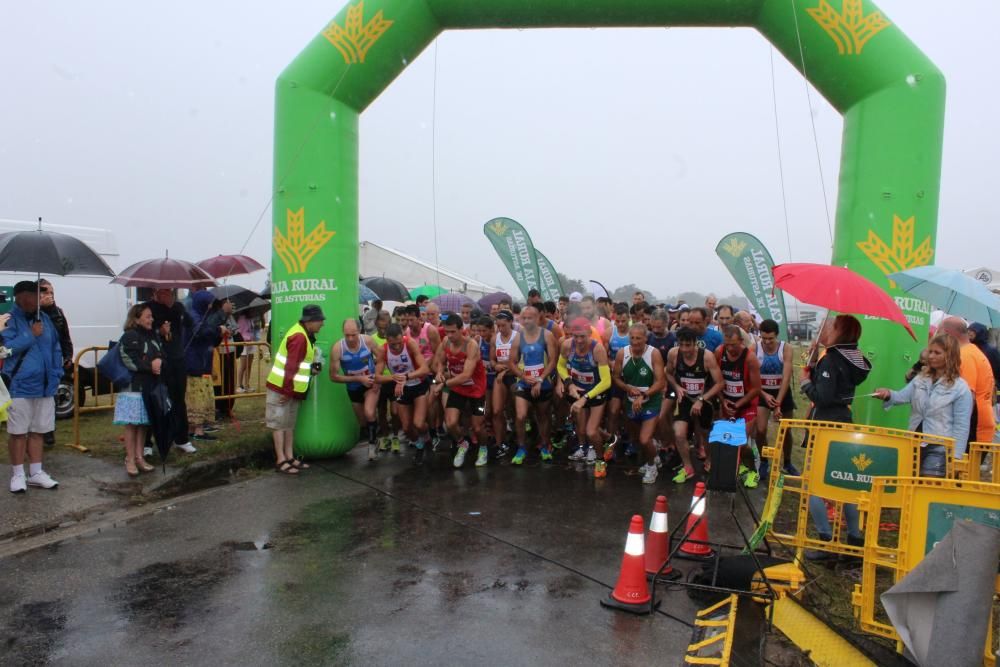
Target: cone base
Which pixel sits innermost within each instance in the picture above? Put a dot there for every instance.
(670, 574)
(640, 609)
(702, 553)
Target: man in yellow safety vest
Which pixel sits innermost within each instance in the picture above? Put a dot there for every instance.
(288, 382)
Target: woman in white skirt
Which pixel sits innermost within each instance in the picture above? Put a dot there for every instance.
(142, 353)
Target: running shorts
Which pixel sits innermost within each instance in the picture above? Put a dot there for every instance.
(412, 393)
(357, 395)
(544, 396)
(600, 399)
(466, 404)
(684, 414)
(787, 404)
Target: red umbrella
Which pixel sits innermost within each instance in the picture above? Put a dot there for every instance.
(165, 273)
(223, 266)
(838, 289)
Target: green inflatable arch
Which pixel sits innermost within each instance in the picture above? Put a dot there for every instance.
(890, 94)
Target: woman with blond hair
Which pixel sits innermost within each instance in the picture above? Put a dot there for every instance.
(940, 402)
(142, 353)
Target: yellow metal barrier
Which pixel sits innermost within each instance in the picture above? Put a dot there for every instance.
(714, 629)
(261, 367)
(262, 362)
(841, 462)
(96, 407)
(927, 509)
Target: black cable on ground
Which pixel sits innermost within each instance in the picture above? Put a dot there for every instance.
(486, 534)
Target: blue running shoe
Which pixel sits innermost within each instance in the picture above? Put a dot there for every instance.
(546, 455)
(519, 456)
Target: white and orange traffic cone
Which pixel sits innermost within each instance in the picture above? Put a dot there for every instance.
(696, 544)
(658, 542)
(631, 593)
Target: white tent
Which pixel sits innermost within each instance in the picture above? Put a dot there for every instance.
(377, 260)
(991, 277)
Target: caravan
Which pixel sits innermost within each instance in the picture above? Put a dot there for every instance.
(95, 309)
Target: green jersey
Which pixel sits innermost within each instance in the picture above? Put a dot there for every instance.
(638, 372)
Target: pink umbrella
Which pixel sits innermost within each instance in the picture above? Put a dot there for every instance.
(452, 301)
(165, 273)
(223, 266)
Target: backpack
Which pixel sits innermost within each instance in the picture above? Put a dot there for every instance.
(113, 368)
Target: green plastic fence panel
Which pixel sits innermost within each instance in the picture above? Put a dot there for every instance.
(890, 94)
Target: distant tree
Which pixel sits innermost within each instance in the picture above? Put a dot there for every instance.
(571, 285)
(625, 293)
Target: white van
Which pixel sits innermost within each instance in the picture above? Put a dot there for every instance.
(95, 309)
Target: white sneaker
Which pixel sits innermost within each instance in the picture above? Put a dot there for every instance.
(649, 474)
(372, 452)
(591, 456)
(187, 448)
(579, 455)
(42, 480)
(17, 484)
(481, 460)
(147, 451)
(460, 456)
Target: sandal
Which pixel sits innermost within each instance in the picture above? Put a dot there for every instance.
(286, 468)
(130, 468)
(144, 466)
(298, 463)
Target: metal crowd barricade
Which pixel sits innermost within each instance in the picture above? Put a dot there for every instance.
(927, 509)
(261, 368)
(841, 462)
(96, 407)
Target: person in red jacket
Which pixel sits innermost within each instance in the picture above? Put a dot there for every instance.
(287, 384)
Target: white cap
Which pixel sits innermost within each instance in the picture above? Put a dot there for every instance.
(576, 296)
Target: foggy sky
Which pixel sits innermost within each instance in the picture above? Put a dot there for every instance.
(626, 153)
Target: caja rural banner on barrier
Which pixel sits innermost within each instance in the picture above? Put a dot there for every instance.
(516, 251)
(750, 264)
(551, 286)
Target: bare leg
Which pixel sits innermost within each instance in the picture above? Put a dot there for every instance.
(592, 426)
(543, 415)
(35, 445)
(499, 411)
(681, 441)
(646, 431)
(16, 445)
(521, 409)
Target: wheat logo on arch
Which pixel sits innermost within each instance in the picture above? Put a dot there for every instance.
(356, 37)
(294, 247)
(903, 254)
(850, 29)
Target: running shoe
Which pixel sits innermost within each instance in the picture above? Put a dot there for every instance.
(503, 449)
(579, 455)
(743, 470)
(658, 462)
(463, 448)
(546, 455)
(609, 448)
(435, 441)
(519, 456)
(751, 480)
(18, 484)
(372, 452)
(393, 442)
(384, 443)
(482, 459)
(649, 473)
(42, 480)
(683, 475)
(600, 470)
(395, 447)
(591, 456)
(790, 469)
(187, 448)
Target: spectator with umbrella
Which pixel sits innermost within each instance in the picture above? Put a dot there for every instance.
(47, 299)
(222, 317)
(201, 340)
(141, 350)
(166, 309)
(32, 372)
(368, 319)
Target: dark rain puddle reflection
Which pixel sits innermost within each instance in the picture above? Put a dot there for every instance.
(32, 632)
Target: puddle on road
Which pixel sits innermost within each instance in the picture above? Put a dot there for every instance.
(166, 596)
(32, 632)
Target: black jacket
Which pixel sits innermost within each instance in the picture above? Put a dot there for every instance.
(833, 381)
(139, 348)
(58, 318)
(180, 323)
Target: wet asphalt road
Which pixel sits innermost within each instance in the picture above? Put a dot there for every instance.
(358, 564)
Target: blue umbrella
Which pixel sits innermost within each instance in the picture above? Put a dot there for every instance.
(365, 294)
(952, 291)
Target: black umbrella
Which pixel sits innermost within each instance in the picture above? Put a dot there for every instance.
(158, 407)
(39, 251)
(387, 288)
(239, 296)
(255, 308)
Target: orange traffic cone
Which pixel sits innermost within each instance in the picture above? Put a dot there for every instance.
(697, 527)
(658, 542)
(632, 592)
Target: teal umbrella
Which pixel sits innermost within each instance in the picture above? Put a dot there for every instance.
(952, 291)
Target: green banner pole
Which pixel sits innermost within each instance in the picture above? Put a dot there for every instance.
(750, 264)
(551, 288)
(516, 251)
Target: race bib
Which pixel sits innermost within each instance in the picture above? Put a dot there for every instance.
(503, 354)
(363, 371)
(693, 386)
(533, 371)
(771, 381)
(581, 378)
(734, 388)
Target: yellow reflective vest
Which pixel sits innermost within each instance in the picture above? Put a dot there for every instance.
(300, 383)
